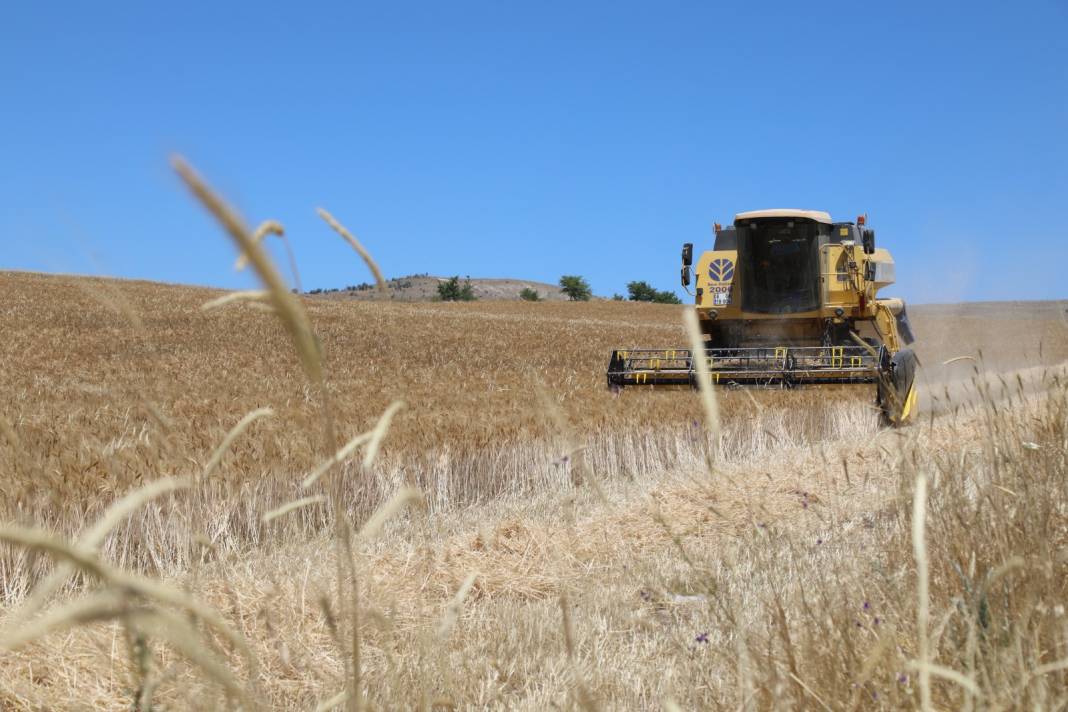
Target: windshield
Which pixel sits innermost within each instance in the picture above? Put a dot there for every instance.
(779, 260)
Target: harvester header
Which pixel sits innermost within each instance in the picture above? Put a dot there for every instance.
(787, 298)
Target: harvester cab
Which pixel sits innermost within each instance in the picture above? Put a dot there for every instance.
(788, 298)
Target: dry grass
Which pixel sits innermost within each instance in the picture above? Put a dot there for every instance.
(590, 552)
(664, 566)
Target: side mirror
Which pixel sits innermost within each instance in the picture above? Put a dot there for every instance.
(685, 275)
(687, 254)
(868, 239)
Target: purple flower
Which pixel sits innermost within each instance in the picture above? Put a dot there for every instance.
(902, 678)
(702, 638)
(867, 605)
(819, 541)
(876, 621)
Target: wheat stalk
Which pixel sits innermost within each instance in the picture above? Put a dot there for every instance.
(704, 376)
(456, 606)
(290, 506)
(91, 540)
(404, 497)
(235, 432)
(336, 459)
(125, 597)
(288, 306)
(267, 227)
(379, 432)
(255, 295)
(373, 438)
(88, 562)
(919, 543)
(360, 250)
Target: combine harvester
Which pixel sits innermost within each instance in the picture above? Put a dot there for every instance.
(788, 298)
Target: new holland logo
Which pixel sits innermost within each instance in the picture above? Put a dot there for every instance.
(721, 270)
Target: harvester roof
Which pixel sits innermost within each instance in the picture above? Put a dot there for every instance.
(817, 215)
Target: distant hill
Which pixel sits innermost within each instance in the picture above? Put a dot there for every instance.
(424, 288)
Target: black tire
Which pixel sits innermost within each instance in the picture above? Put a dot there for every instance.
(895, 383)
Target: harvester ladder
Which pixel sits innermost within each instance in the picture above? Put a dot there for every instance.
(780, 356)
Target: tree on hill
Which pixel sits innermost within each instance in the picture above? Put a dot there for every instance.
(452, 291)
(665, 297)
(576, 288)
(529, 295)
(644, 292)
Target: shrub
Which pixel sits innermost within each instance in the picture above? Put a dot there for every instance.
(529, 295)
(452, 291)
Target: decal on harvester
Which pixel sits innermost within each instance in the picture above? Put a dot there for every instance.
(721, 270)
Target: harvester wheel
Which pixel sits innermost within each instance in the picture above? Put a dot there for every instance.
(897, 388)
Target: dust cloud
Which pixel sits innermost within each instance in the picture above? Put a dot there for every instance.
(995, 348)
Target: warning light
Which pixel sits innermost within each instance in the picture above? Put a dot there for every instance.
(861, 219)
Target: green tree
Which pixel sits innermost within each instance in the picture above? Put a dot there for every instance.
(529, 295)
(644, 292)
(452, 291)
(576, 288)
(665, 297)
(640, 292)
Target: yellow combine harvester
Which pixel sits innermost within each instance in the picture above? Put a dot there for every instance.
(788, 298)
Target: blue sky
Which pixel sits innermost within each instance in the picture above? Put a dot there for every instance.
(536, 139)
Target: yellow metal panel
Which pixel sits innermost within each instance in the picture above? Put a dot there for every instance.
(709, 286)
(910, 404)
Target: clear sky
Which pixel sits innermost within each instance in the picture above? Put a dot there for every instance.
(535, 139)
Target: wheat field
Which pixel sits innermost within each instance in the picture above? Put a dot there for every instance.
(522, 538)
